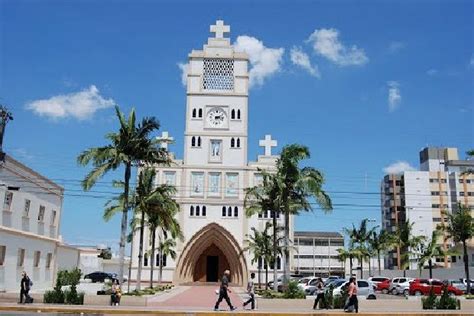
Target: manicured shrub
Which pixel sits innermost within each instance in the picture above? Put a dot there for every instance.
(293, 291)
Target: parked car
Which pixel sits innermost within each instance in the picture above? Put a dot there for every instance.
(459, 284)
(364, 288)
(423, 287)
(393, 284)
(99, 276)
(471, 283)
(294, 277)
(308, 284)
(331, 278)
(384, 286)
(377, 280)
(403, 287)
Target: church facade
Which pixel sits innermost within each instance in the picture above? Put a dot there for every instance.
(214, 172)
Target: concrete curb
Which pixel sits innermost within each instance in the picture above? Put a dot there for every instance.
(117, 311)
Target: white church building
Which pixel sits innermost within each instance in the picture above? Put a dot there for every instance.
(212, 176)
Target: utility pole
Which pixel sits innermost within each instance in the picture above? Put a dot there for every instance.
(5, 116)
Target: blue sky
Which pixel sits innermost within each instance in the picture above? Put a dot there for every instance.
(363, 85)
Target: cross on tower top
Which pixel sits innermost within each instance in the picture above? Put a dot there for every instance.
(165, 139)
(268, 143)
(219, 29)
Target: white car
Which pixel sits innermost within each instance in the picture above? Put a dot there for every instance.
(364, 288)
(307, 283)
(404, 281)
(403, 287)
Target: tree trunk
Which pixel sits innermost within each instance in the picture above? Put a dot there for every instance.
(160, 276)
(430, 266)
(350, 265)
(361, 260)
(275, 252)
(140, 250)
(124, 224)
(259, 279)
(130, 265)
(266, 277)
(466, 267)
(286, 269)
(152, 261)
(378, 258)
(370, 268)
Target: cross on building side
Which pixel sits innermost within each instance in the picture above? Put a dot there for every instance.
(219, 29)
(268, 143)
(165, 140)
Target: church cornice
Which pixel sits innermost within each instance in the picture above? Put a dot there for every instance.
(215, 133)
(217, 94)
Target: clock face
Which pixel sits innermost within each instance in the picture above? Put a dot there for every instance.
(216, 117)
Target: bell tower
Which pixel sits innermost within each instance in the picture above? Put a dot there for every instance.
(216, 103)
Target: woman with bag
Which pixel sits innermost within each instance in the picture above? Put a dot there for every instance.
(319, 294)
(352, 302)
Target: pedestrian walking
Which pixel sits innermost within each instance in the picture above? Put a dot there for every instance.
(352, 302)
(319, 294)
(223, 292)
(116, 293)
(25, 285)
(251, 291)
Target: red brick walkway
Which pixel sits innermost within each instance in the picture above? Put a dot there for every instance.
(200, 297)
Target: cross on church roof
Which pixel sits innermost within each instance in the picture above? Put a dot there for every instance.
(165, 139)
(268, 143)
(219, 29)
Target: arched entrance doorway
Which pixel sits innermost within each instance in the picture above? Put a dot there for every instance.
(207, 254)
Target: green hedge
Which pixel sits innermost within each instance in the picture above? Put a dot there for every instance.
(71, 296)
(444, 302)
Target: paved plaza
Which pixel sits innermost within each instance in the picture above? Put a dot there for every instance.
(199, 300)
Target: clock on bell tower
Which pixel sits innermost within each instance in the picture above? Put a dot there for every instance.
(217, 103)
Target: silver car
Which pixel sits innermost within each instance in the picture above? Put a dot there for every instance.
(364, 288)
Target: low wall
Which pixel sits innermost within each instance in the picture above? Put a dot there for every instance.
(104, 300)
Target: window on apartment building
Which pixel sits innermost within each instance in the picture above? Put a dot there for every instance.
(461, 193)
(435, 205)
(3, 251)
(37, 257)
(49, 259)
(434, 181)
(26, 210)
(436, 193)
(436, 219)
(53, 218)
(21, 257)
(453, 259)
(7, 203)
(42, 209)
(470, 193)
(145, 260)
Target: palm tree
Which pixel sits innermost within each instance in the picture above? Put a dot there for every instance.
(379, 243)
(343, 255)
(260, 245)
(358, 242)
(296, 187)
(162, 215)
(470, 156)
(131, 145)
(429, 251)
(406, 241)
(460, 228)
(165, 249)
(263, 198)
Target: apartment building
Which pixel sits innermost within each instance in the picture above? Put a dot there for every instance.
(316, 253)
(29, 226)
(420, 197)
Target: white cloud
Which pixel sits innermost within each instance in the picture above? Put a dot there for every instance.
(80, 105)
(394, 96)
(396, 46)
(326, 43)
(398, 167)
(300, 58)
(432, 72)
(264, 61)
(184, 72)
